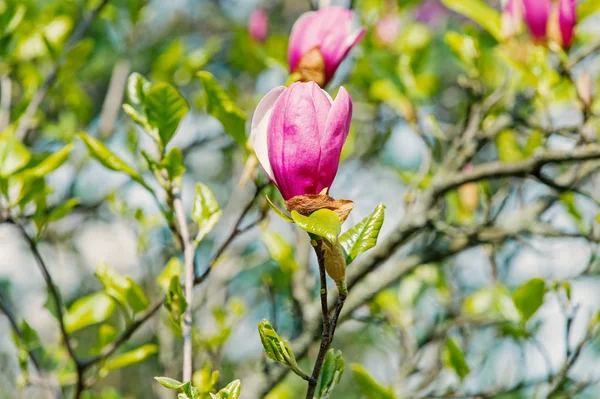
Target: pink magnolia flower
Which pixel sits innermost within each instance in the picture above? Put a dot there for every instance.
(567, 19)
(258, 25)
(320, 41)
(537, 13)
(298, 134)
(388, 29)
(512, 18)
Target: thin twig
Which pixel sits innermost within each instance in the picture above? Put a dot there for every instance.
(40, 94)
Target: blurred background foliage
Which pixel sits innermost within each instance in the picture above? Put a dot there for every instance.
(506, 313)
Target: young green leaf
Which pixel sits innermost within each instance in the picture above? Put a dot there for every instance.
(173, 268)
(278, 211)
(222, 107)
(363, 236)
(281, 251)
(487, 17)
(49, 164)
(587, 9)
(109, 159)
(132, 357)
(122, 289)
(455, 359)
(165, 108)
(277, 349)
(173, 163)
(169, 383)
(529, 297)
(205, 378)
(175, 303)
(206, 211)
(323, 223)
(13, 155)
(137, 87)
(63, 209)
(331, 374)
(231, 391)
(105, 335)
(89, 310)
(508, 147)
(368, 386)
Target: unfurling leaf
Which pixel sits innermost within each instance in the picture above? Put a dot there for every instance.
(205, 378)
(363, 236)
(529, 297)
(455, 359)
(137, 87)
(165, 108)
(323, 223)
(175, 303)
(280, 251)
(110, 160)
(222, 107)
(173, 163)
(231, 391)
(206, 211)
(173, 268)
(331, 374)
(89, 310)
(368, 386)
(277, 349)
(132, 357)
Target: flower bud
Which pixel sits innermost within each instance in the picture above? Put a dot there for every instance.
(258, 25)
(319, 42)
(537, 13)
(335, 260)
(567, 19)
(512, 18)
(298, 133)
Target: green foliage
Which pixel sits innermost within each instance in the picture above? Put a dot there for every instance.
(187, 391)
(206, 212)
(454, 358)
(368, 386)
(165, 108)
(222, 107)
(331, 374)
(231, 391)
(323, 223)
(13, 155)
(363, 236)
(477, 10)
(126, 292)
(89, 310)
(276, 348)
(278, 211)
(132, 357)
(281, 251)
(586, 9)
(48, 164)
(175, 303)
(529, 297)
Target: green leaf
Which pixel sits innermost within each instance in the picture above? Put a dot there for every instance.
(587, 9)
(363, 236)
(323, 223)
(173, 163)
(278, 211)
(109, 160)
(331, 374)
(455, 359)
(463, 46)
(281, 251)
(173, 268)
(63, 209)
(132, 357)
(568, 200)
(122, 289)
(89, 310)
(222, 107)
(368, 386)
(276, 348)
(137, 87)
(487, 17)
(206, 211)
(231, 391)
(165, 108)
(106, 334)
(175, 303)
(49, 164)
(205, 378)
(534, 141)
(508, 147)
(13, 155)
(169, 383)
(529, 297)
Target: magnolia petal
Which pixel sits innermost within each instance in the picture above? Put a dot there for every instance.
(302, 39)
(537, 13)
(336, 132)
(567, 19)
(259, 128)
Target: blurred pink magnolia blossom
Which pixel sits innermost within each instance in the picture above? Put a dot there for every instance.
(512, 18)
(320, 41)
(258, 25)
(388, 29)
(551, 20)
(298, 134)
